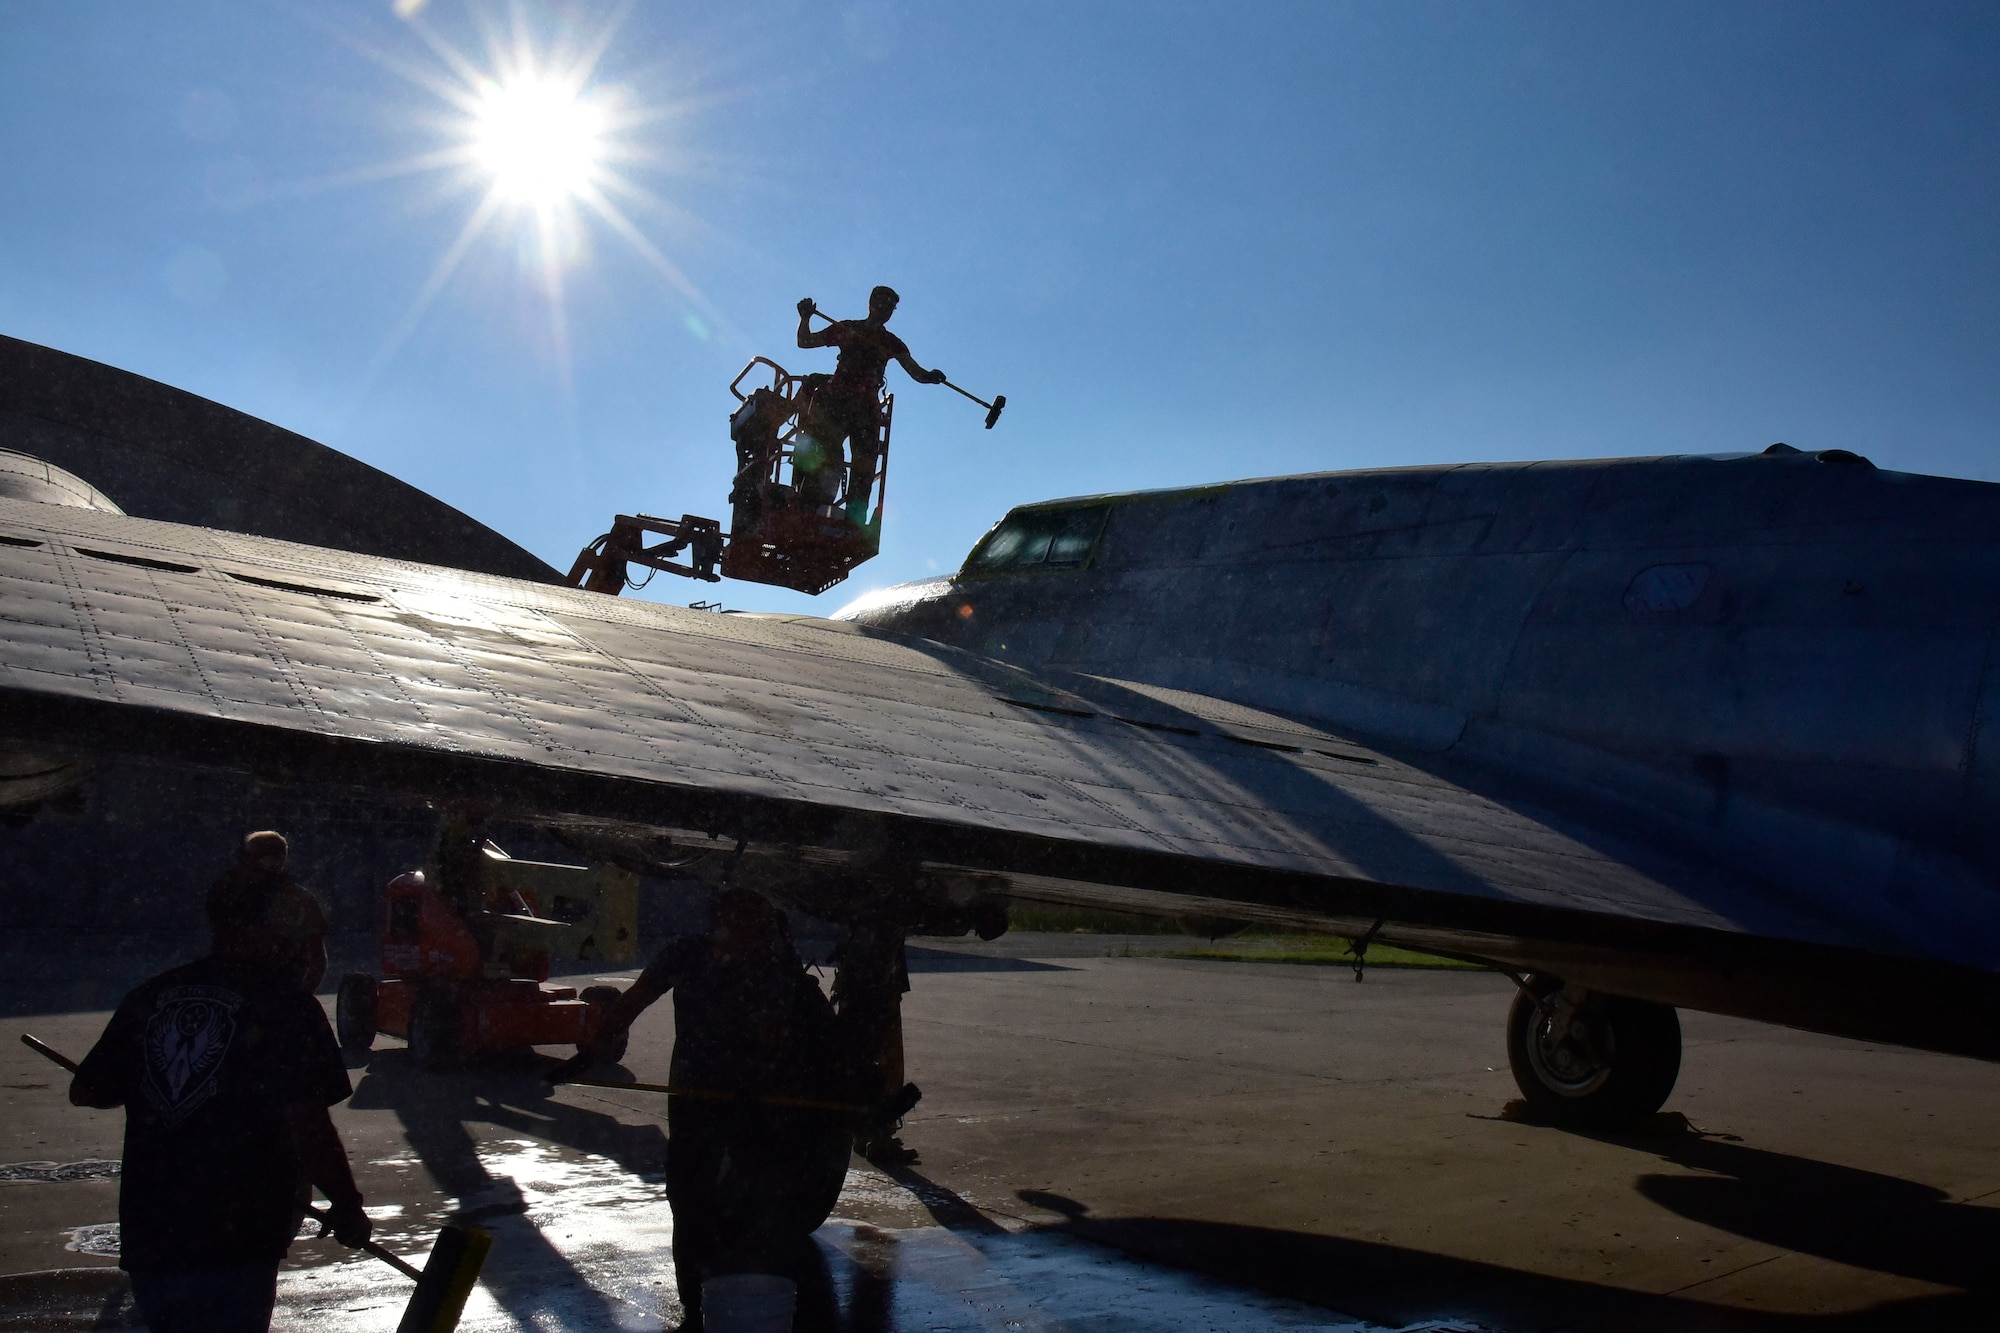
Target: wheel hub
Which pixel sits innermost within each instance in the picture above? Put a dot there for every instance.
(1570, 1054)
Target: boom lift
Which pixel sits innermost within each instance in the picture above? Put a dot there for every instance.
(466, 951)
(788, 521)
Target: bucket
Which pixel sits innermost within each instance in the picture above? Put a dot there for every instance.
(748, 1303)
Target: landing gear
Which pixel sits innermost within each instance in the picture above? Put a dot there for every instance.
(354, 1013)
(600, 998)
(1589, 1061)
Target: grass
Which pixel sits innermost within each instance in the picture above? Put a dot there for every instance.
(1084, 921)
(1250, 947)
(1314, 950)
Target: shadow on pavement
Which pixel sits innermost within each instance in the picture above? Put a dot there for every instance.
(950, 960)
(1853, 1217)
(436, 1109)
(1391, 1285)
(870, 1283)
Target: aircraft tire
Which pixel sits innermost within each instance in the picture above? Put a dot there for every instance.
(434, 1030)
(826, 1144)
(1633, 1058)
(354, 1013)
(597, 997)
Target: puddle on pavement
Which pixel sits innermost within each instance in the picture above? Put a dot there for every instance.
(581, 1245)
(90, 1168)
(98, 1238)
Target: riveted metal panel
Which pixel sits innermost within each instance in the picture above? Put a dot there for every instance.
(581, 700)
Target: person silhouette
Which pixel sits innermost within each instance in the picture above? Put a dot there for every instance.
(748, 1178)
(226, 1068)
(850, 406)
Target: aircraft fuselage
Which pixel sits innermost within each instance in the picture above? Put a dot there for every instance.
(1784, 661)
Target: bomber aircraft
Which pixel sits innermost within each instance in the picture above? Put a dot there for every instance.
(1708, 731)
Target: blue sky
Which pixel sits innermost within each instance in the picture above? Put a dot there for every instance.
(1189, 242)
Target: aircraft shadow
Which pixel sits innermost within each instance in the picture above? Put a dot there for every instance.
(1392, 1285)
(90, 995)
(1860, 1218)
(86, 981)
(921, 959)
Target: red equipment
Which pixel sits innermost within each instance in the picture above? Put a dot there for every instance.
(452, 997)
(788, 520)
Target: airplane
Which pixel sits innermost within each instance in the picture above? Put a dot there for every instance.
(1709, 731)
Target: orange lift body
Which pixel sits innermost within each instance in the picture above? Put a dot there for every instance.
(453, 1000)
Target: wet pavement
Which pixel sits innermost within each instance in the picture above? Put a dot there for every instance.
(589, 1250)
(1116, 1143)
(583, 1242)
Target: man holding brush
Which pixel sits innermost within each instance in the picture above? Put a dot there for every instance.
(748, 1177)
(225, 1067)
(851, 407)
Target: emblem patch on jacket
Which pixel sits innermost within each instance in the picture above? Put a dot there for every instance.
(186, 1040)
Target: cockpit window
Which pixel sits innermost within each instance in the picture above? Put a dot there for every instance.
(1040, 539)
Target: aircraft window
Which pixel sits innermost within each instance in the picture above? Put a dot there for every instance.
(1069, 545)
(1041, 539)
(143, 562)
(1018, 546)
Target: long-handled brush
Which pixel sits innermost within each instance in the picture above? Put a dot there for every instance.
(443, 1283)
(563, 1075)
(993, 409)
(892, 1108)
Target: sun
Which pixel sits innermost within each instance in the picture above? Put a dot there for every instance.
(545, 147)
(541, 138)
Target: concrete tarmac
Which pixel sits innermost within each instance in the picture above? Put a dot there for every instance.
(1146, 1143)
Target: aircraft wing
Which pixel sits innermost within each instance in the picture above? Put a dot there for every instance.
(305, 665)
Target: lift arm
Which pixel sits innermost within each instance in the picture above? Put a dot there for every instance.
(602, 566)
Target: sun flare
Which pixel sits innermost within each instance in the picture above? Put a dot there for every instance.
(546, 148)
(541, 139)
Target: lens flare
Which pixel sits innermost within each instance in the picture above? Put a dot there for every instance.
(541, 140)
(545, 146)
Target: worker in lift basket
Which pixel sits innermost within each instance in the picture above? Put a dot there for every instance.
(226, 1068)
(748, 1180)
(850, 408)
